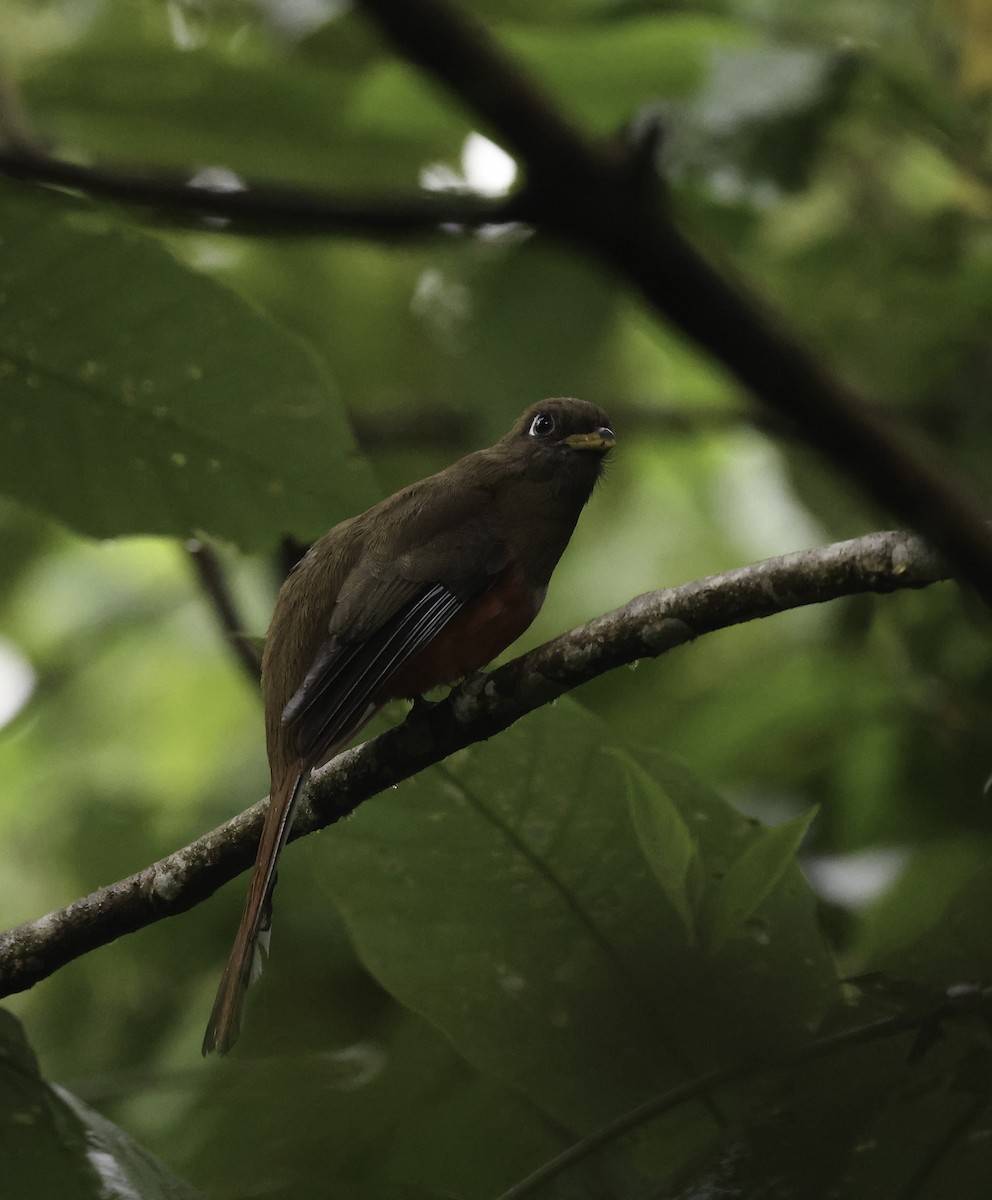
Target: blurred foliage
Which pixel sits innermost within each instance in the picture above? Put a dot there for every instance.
(549, 929)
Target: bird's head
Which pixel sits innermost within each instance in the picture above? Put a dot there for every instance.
(562, 435)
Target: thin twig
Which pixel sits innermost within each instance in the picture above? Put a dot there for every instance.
(646, 627)
(211, 576)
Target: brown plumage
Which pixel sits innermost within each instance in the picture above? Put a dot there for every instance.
(423, 588)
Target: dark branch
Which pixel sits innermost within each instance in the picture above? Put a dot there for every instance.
(605, 202)
(211, 576)
(646, 627)
(268, 208)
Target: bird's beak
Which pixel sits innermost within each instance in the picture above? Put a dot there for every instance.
(599, 440)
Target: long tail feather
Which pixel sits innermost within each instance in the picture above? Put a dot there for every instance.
(245, 960)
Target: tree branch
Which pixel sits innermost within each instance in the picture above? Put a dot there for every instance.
(647, 627)
(268, 208)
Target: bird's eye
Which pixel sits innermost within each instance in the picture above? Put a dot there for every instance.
(542, 426)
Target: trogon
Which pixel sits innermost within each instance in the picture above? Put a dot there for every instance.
(422, 589)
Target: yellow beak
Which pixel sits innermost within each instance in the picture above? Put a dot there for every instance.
(599, 439)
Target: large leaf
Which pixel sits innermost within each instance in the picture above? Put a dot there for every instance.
(140, 396)
(54, 1145)
(506, 897)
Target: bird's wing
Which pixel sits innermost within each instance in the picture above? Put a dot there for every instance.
(335, 697)
(398, 597)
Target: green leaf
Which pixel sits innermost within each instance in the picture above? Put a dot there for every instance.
(54, 1145)
(169, 406)
(505, 896)
(666, 841)
(750, 880)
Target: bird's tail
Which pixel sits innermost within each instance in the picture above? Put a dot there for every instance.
(245, 961)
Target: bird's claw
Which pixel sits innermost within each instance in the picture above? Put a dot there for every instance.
(472, 685)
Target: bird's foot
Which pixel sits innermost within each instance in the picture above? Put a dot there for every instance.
(473, 684)
(465, 697)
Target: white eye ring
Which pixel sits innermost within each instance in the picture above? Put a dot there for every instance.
(543, 425)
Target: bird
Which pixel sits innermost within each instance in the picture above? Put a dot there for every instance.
(421, 590)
